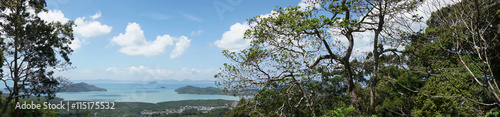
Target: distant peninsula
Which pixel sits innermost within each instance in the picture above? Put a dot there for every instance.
(197, 90)
(81, 87)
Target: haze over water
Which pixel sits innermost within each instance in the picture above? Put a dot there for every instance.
(140, 92)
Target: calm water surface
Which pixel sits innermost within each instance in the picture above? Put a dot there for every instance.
(139, 92)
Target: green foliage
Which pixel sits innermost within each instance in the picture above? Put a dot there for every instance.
(340, 112)
(191, 112)
(430, 77)
(450, 90)
(280, 63)
(134, 108)
(81, 87)
(31, 49)
(216, 112)
(493, 113)
(266, 101)
(241, 110)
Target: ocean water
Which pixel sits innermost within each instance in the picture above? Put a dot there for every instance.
(139, 92)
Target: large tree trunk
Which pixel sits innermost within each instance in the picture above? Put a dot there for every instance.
(351, 88)
(16, 111)
(376, 54)
(374, 78)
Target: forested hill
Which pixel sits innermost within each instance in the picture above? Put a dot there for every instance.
(197, 90)
(82, 87)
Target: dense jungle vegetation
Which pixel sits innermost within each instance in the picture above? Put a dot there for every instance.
(305, 63)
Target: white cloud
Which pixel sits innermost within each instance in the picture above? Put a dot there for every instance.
(53, 16)
(197, 33)
(192, 18)
(364, 40)
(133, 42)
(180, 47)
(138, 70)
(113, 69)
(84, 28)
(425, 10)
(308, 4)
(91, 28)
(97, 15)
(57, 15)
(233, 40)
(76, 44)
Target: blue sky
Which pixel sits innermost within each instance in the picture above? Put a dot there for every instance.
(133, 40)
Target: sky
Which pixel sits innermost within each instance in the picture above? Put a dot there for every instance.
(131, 40)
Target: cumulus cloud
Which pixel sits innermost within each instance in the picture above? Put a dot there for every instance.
(57, 16)
(180, 47)
(53, 16)
(76, 44)
(233, 40)
(91, 28)
(133, 42)
(84, 28)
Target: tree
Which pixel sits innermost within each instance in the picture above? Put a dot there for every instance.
(468, 32)
(294, 48)
(32, 49)
(446, 58)
(298, 61)
(288, 51)
(476, 44)
(382, 20)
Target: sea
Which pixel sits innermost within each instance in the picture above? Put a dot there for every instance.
(139, 92)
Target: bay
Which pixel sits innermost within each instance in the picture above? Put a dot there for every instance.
(139, 92)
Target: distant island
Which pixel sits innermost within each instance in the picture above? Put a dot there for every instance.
(78, 87)
(197, 90)
(82, 87)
